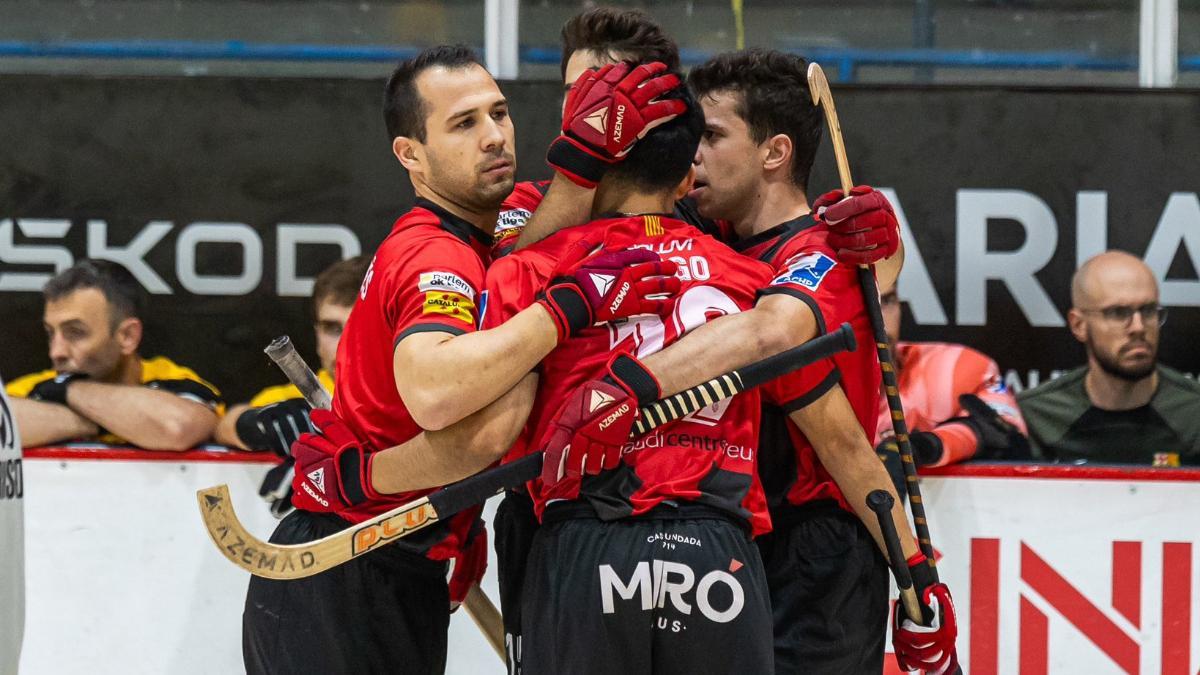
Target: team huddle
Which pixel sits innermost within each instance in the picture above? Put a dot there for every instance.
(674, 243)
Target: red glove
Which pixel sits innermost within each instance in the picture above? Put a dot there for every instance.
(587, 433)
(610, 285)
(333, 468)
(469, 566)
(929, 647)
(863, 228)
(606, 112)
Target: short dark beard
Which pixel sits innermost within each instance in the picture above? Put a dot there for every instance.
(1111, 367)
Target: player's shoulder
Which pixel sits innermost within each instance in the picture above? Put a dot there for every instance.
(276, 394)
(525, 195)
(161, 372)
(22, 386)
(1065, 389)
(1177, 384)
(961, 355)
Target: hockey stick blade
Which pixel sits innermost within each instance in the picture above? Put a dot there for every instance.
(296, 561)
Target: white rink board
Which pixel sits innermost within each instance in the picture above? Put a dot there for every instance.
(123, 579)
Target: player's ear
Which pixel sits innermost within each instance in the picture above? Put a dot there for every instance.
(129, 335)
(409, 152)
(778, 152)
(685, 185)
(1077, 324)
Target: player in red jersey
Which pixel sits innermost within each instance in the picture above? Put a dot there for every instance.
(955, 402)
(827, 576)
(682, 503)
(413, 372)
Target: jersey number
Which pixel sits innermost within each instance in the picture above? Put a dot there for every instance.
(697, 306)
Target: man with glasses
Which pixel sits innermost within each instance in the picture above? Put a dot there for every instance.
(1123, 406)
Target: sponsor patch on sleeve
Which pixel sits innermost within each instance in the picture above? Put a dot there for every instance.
(451, 304)
(806, 269)
(510, 221)
(445, 281)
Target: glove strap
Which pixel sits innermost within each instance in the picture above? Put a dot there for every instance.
(354, 468)
(567, 306)
(626, 372)
(570, 158)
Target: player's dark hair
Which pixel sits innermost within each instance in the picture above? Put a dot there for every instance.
(404, 111)
(661, 159)
(621, 33)
(120, 288)
(339, 283)
(774, 99)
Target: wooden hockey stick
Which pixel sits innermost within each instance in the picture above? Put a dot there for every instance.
(821, 95)
(296, 561)
(477, 604)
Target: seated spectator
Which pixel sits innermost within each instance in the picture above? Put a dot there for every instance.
(1123, 406)
(276, 416)
(955, 402)
(101, 389)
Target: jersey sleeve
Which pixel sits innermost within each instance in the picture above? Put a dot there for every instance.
(515, 211)
(276, 394)
(436, 290)
(814, 278)
(22, 386)
(512, 285)
(162, 373)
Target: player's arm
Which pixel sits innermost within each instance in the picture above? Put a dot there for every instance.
(43, 423)
(443, 378)
(830, 425)
(777, 322)
(462, 449)
(146, 417)
(226, 431)
(566, 203)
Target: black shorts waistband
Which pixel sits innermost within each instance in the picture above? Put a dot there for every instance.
(581, 510)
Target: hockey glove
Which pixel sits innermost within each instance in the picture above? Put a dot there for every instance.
(928, 644)
(274, 427)
(276, 487)
(588, 432)
(469, 566)
(998, 438)
(610, 285)
(606, 112)
(862, 228)
(333, 468)
(54, 390)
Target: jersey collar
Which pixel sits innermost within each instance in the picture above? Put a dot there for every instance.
(453, 224)
(785, 230)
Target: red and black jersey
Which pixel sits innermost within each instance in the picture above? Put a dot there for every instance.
(426, 276)
(708, 457)
(807, 269)
(519, 206)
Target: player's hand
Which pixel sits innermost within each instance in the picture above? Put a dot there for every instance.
(610, 285)
(587, 432)
(862, 228)
(927, 448)
(927, 643)
(54, 390)
(998, 437)
(333, 468)
(274, 427)
(606, 112)
(276, 487)
(469, 566)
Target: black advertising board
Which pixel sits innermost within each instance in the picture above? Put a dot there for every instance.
(226, 196)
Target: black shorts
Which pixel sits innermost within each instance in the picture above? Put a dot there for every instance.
(514, 527)
(829, 592)
(679, 592)
(385, 612)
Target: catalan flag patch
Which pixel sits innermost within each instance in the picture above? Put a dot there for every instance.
(654, 226)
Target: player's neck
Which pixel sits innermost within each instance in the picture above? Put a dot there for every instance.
(128, 370)
(776, 201)
(628, 201)
(1109, 392)
(484, 221)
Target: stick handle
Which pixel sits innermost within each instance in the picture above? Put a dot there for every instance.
(283, 353)
(881, 503)
(726, 386)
